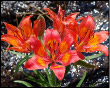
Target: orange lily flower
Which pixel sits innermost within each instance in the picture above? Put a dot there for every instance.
(88, 40)
(59, 53)
(19, 37)
(60, 22)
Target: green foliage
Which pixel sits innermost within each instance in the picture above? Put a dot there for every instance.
(93, 56)
(24, 83)
(26, 57)
(53, 77)
(40, 75)
(17, 53)
(84, 64)
(82, 79)
(49, 77)
(20, 63)
(40, 82)
(59, 83)
(93, 85)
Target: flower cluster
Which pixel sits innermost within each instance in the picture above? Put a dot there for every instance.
(54, 47)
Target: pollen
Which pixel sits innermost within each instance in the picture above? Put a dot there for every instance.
(57, 67)
(63, 47)
(52, 44)
(93, 41)
(41, 61)
(66, 57)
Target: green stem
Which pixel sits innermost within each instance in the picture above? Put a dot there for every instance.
(59, 83)
(82, 79)
(53, 78)
(49, 77)
(40, 75)
(42, 12)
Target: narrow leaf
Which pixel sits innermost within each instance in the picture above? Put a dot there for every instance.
(82, 79)
(93, 56)
(24, 83)
(31, 55)
(40, 75)
(93, 85)
(49, 77)
(20, 63)
(17, 53)
(84, 64)
(53, 77)
(40, 82)
(59, 83)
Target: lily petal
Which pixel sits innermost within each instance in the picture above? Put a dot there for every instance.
(12, 30)
(36, 62)
(66, 43)
(26, 26)
(98, 47)
(59, 70)
(98, 37)
(26, 46)
(41, 25)
(19, 49)
(51, 13)
(73, 34)
(35, 30)
(11, 40)
(72, 28)
(52, 39)
(61, 12)
(70, 56)
(86, 29)
(54, 17)
(73, 15)
(37, 47)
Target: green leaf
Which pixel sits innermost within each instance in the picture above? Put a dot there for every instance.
(23, 82)
(82, 79)
(59, 83)
(31, 55)
(20, 54)
(93, 85)
(40, 82)
(53, 77)
(40, 75)
(84, 64)
(20, 63)
(93, 56)
(17, 53)
(49, 77)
